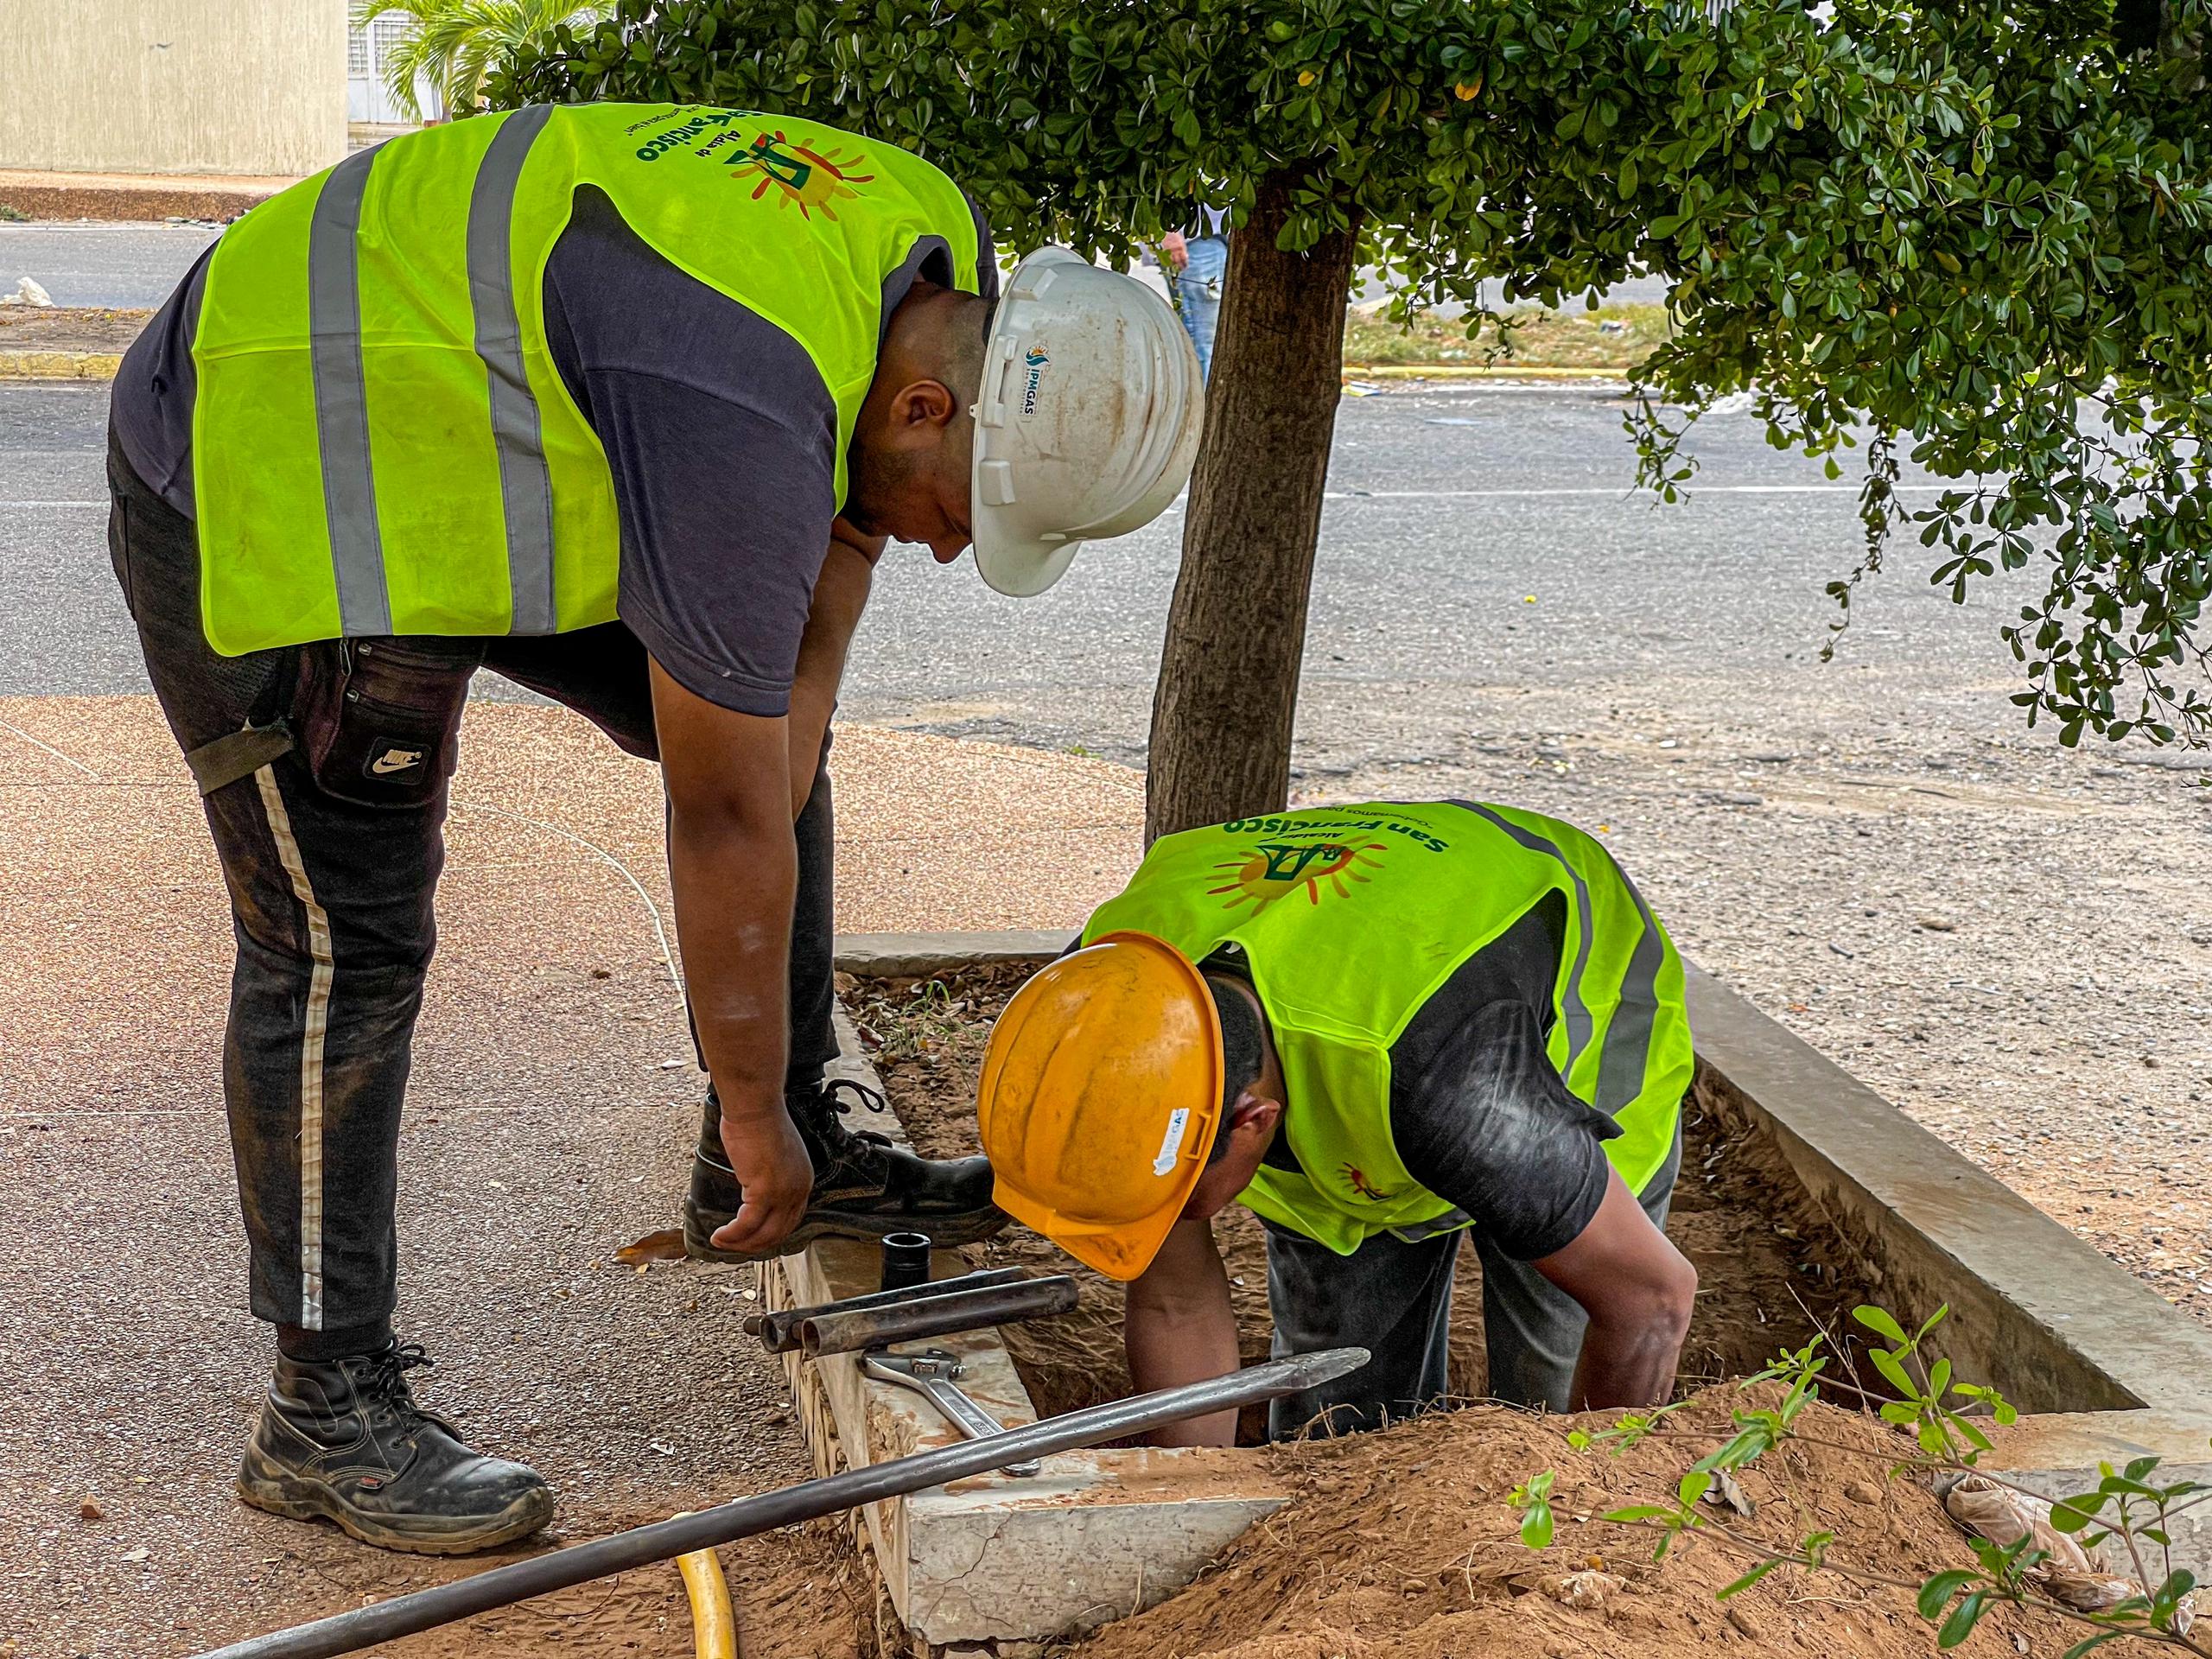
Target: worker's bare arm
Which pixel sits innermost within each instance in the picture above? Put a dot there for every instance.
(1638, 1291)
(1178, 1327)
(733, 866)
(840, 596)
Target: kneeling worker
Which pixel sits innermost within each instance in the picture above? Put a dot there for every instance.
(1378, 1027)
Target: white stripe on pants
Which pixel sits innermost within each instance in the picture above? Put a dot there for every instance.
(311, 1042)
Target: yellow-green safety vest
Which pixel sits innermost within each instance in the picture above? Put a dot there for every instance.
(381, 441)
(1351, 918)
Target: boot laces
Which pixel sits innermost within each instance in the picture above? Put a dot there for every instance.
(381, 1383)
(841, 1096)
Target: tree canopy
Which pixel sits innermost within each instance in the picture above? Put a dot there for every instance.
(1977, 236)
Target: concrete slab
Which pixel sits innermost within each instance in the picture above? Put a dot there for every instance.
(1000, 1562)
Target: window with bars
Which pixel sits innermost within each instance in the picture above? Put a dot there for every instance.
(357, 51)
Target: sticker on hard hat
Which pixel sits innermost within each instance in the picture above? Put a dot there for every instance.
(1172, 1142)
(1036, 361)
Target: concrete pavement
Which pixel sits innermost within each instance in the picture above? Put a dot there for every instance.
(549, 1122)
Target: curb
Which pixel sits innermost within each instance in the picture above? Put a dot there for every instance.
(60, 365)
(59, 197)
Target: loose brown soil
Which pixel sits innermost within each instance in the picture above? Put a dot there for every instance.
(797, 1595)
(1772, 1272)
(1402, 1546)
(68, 328)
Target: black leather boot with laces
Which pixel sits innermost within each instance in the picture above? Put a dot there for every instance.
(864, 1186)
(344, 1442)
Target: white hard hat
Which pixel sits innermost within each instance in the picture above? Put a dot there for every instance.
(1087, 423)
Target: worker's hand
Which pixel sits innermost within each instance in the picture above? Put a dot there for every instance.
(1176, 249)
(771, 1165)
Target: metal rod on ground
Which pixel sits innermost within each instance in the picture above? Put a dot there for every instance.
(848, 1330)
(425, 1610)
(774, 1328)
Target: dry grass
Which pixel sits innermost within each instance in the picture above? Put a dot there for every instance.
(1617, 337)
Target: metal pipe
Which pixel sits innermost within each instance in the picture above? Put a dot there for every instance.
(774, 1328)
(849, 1330)
(385, 1621)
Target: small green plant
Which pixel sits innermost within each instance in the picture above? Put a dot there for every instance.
(13, 215)
(927, 1022)
(1945, 1418)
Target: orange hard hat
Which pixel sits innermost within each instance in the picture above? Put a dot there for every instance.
(1099, 1099)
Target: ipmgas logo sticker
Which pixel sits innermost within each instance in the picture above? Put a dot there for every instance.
(1036, 361)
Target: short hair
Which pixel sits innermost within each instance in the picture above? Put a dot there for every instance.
(1244, 1051)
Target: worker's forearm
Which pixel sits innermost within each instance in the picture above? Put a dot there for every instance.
(1628, 1362)
(1167, 1350)
(840, 596)
(733, 880)
(1171, 1341)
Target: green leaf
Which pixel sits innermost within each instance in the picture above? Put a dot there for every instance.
(1964, 1617)
(1939, 1590)
(1635, 1513)
(1880, 1321)
(2072, 1513)
(1747, 1581)
(1536, 1525)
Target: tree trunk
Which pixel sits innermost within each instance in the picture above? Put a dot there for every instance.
(1227, 694)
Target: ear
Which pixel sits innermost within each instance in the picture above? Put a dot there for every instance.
(1255, 1114)
(923, 404)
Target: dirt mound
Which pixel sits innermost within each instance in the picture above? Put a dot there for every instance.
(1772, 1272)
(1402, 1546)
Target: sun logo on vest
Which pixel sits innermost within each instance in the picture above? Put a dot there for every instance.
(1356, 1178)
(814, 181)
(1275, 869)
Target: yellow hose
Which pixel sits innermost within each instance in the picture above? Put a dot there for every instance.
(714, 1625)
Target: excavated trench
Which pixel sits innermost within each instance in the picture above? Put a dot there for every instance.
(1773, 1272)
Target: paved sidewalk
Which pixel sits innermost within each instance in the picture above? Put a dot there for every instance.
(554, 1100)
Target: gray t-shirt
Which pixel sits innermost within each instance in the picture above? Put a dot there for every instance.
(717, 427)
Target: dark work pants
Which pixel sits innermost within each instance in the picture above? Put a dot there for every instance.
(330, 903)
(1393, 1299)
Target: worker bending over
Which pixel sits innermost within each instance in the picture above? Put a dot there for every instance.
(621, 401)
(1380, 1028)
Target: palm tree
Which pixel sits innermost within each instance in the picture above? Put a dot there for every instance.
(454, 43)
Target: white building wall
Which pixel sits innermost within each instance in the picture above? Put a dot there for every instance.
(239, 86)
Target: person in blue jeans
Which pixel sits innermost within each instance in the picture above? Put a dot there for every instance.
(1198, 266)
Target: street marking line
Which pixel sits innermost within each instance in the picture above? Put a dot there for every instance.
(41, 743)
(1624, 492)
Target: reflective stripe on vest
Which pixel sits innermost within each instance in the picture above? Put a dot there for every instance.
(382, 443)
(1351, 918)
(341, 398)
(525, 487)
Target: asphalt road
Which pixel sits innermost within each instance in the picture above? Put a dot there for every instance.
(137, 264)
(124, 266)
(1473, 537)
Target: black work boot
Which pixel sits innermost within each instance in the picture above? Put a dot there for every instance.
(864, 1186)
(346, 1442)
